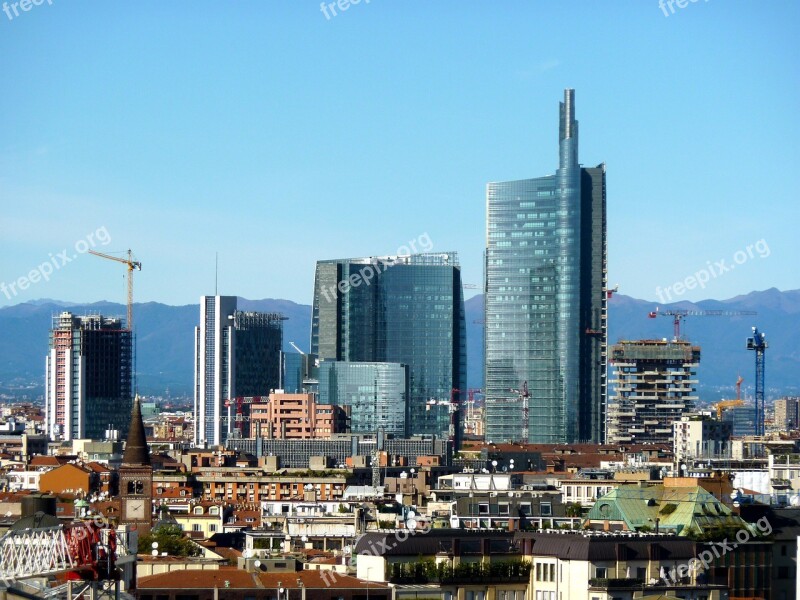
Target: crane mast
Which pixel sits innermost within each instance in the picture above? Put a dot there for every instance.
(758, 344)
(132, 265)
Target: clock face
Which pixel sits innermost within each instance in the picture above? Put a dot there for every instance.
(135, 510)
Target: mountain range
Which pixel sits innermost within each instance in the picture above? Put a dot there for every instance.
(166, 333)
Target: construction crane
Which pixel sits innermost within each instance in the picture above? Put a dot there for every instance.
(724, 404)
(758, 344)
(523, 396)
(679, 314)
(132, 266)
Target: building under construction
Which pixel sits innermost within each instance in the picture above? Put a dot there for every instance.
(88, 377)
(654, 386)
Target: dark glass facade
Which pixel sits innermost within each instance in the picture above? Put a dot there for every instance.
(546, 300)
(376, 394)
(408, 310)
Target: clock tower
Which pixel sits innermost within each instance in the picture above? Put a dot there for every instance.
(136, 476)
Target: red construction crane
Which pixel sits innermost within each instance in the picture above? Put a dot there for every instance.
(679, 314)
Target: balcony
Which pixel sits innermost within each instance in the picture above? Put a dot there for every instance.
(464, 573)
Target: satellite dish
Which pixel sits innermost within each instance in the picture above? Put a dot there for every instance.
(154, 545)
(411, 524)
(154, 552)
(246, 553)
(257, 564)
(411, 514)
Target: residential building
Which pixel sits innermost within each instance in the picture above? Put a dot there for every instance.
(545, 308)
(398, 309)
(654, 386)
(296, 416)
(787, 413)
(87, 377)
(70, 478)
(375, 394)
(592, 566)
(236, 354)
(700, 435)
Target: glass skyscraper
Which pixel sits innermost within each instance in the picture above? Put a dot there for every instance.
(403, 309)
(376, 394)
(237, 353)
(546, 300)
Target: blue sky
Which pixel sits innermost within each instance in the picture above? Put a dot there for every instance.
(277, 137)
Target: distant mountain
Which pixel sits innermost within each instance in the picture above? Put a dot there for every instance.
(723, 339)
(165, 345)
(166, 334)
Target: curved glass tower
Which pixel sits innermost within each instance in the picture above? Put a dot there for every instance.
(546, 300)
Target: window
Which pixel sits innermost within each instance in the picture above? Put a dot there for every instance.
(135, 487)
(503, 508)
(197, 527)
(212, 527)
(601, 572)
(641, 573)
(538, 571)
(546, 509)
(198, 510)
(483, 509)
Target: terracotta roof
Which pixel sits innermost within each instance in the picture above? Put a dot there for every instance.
(48, 461)
(238, 579)
(98, 467)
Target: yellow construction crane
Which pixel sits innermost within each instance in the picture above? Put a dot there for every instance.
(132, 265)
(722, 405)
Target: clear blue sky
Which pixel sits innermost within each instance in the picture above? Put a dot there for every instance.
(264, 131)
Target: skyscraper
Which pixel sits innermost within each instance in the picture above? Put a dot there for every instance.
(87, 377)
(403, 309)
(546, 299)
(654, 383)
(237, 353)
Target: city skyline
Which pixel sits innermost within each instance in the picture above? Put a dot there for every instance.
(291, 161)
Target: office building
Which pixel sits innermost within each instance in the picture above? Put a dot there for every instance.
(545, 304)
(298, 372)
(399, 309)
(375, 394)
(654, 386)
(87, 377)
(237, 354)
(742, 420)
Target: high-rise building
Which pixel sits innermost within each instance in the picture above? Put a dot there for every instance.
(376, 394)
(546, 300)
(298, 372)
(87, 377)
(787, 413)
(237, 353)
(400, 309)
(654, 386)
